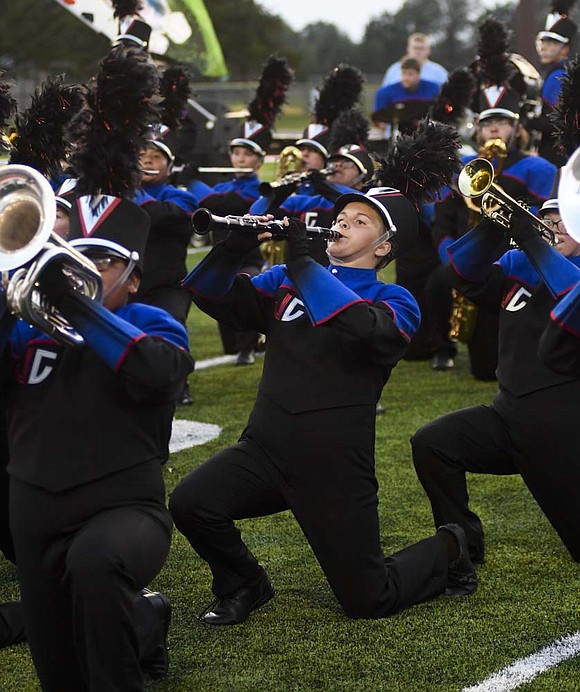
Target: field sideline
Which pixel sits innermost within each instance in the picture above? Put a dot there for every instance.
(527, 599)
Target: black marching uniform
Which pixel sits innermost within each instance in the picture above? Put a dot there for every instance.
(333, 336)
(559, 345)
(526, 429)
(88, 429)
(522, 177)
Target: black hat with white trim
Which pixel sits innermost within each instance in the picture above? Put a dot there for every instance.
(112, 225)
(559, 27)
(396, 211)
(500, 102)
(317, 137)
(359, 156)
(549, 205)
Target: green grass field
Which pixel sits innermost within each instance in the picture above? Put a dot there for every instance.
(528, 594)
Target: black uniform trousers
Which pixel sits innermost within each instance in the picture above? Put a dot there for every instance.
(320, 465)
(83, 555)
(11, 615)
(533, 435)
(482, 346)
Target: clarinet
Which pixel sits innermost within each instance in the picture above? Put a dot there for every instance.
(203, 221)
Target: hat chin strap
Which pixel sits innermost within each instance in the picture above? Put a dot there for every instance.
(356, 255)
(124, 276)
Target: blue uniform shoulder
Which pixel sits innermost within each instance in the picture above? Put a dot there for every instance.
(516, 265)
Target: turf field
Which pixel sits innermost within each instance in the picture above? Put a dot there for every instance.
(527, 599)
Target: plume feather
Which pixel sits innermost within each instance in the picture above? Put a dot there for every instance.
(341, 89)
(175, 89)
(40, 140)
(493, 60)
(112, 131)
(271, 92)
(566, 113)
(126, 8)
(422, 163)
(350, 127)
(455, 96)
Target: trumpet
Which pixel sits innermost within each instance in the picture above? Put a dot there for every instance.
(28, 245)
(203, 221)
(476, 180)
(292, 179)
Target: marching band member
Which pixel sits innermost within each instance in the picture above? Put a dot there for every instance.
(333, 336)
(236, 196)
(520, 175)
(89, 427)
(553, 44)
(499, 438)
(559, 345)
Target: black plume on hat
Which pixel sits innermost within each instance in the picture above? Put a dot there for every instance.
(7, 110)
(126, 8)
(175, 90)
(113, 129)
(492, 63)
(350, 127)
(40, 139)
(266, 105)
(341, 90)
(455, 97)
(566, 113)
(420, 164)
(494, 70)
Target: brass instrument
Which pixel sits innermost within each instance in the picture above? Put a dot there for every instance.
(289, 165)
(476, 180)
(492, 149)
(291, 179)
(28, 245)
(462, 318)
(203, 221)
(289, 161)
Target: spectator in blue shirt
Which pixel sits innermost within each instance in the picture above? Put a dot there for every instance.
(411, 89)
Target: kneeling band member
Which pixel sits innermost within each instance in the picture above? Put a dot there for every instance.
(333, 336)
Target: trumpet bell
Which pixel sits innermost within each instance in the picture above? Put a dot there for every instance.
(27, 214)
(475, 178)
(569, 195)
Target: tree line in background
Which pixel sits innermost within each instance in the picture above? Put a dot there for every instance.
(248, 34)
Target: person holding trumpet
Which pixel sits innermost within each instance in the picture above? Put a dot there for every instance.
(333, 337)
(504, 438)
(559, 346)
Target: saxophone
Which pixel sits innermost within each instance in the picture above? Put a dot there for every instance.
(289, 162)
(464, 312)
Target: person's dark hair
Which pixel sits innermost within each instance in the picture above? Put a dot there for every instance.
(411, 64)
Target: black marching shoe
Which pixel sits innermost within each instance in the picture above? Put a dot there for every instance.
(234, 609)
(442, 361)
(245, 358)
(461, 577)
(156, 663)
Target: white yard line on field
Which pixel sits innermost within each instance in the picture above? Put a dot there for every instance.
(526, 669)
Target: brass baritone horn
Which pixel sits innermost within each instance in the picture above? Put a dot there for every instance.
(476, 180)
(28, 245)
